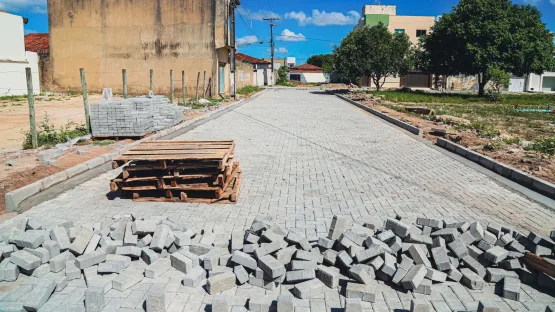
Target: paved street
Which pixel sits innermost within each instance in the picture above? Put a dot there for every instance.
(307, 156)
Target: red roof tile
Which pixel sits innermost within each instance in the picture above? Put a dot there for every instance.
(307, 66)
(249, 59)
(38, 43)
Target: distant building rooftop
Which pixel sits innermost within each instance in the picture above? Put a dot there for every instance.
(38, 43)
(249, 59)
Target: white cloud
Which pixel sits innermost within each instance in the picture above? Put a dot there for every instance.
(30, 31)
(39, 10)
(23, 5)
(535, 2)
(552, 2)
(281, 50)
(257, 15)
(287, 35)
(247, 40)
(323, 18)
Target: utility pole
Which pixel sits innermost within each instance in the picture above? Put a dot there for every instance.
(272, 43)
(233, 48)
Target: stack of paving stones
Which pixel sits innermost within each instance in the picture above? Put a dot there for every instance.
(134, 117)
(120, 254)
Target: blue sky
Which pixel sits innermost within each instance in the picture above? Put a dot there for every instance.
(308, 26)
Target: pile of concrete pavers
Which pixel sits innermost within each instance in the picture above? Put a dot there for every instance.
(134, 117)
(411, 256)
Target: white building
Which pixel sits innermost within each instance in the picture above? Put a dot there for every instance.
(291, 62)
(541, 83)
(14, 59)
(307, 73)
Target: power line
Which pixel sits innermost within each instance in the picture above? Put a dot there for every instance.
(307, 38)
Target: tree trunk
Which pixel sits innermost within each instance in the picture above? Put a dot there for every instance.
(482, 82)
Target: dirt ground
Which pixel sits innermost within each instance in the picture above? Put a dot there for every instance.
(20, 167)
(532, 162)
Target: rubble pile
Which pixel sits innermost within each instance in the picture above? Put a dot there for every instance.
(410, 256)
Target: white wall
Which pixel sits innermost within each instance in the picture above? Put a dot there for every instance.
(535, 82)
(14, 59)
(11, 37)
(313, 78)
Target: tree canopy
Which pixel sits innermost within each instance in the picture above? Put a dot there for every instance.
(482, 34)
(374, 52)
(322, 60)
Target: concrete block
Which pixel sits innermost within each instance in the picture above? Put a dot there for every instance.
(42, 290)
(38, 272)
(195, 277)
(308, 289)
(145, 241)
(496, 254)
(126, 279)
(148, 255)
(260, 303)
(338, 227)
(25, 260)
(266, 249)
(488, 306)
(285, 255)
(419, 306)
(109, 246)
(328, 275)
(441, 260)
(29, 239)
(419, 256)
(436, 276)
(244, 259)
(399, 228)
(220, 304)
(93, 243)
(369, 254)
(285, 303)
(72, 272)
(471, 279)
(511, 288)
(181, 263)
(130, 251)
(360, 274)
(53, 247)
(129, 238)
(159, 238)
(475, 266)
(15, 197)
(241, 274)
(300, 276)
(59, 235)
(458, 248)
(363, 292)
(81, 241)
(94, 299)
(344, 258)
(40, 252)
(58, 263)
(221, 282)
(425, 288)
(414, 277)
(353, 305)
(88, 260)
(157, 268)
(325, 242)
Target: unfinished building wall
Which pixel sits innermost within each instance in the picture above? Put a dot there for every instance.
(104, 36)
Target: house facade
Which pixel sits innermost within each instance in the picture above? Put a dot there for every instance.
(14, 59)
(413, 26)
(307, 73)
(257, 71)
(139, 35)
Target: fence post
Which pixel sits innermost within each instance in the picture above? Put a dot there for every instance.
(204, 86)
(31, 100)
(171, 86)
(213, 86)
(198, 82)
(183, 86)
(124, 74)
(152, 80)
(85, 99)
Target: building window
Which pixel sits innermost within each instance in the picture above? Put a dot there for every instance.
(399, 31)
(420, 32)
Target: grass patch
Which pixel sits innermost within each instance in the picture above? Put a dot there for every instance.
(482, 128)
(247, 90)
(49, 136)
(13, 98)
(455, 98)
(545, 145)
(103, 142)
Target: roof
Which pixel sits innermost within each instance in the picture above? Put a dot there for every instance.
(307, 67)
(249, 59)
(38, 43)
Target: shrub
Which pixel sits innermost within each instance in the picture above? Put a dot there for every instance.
(246, 90)
(48, 136)
(499, 78)
(545, 145)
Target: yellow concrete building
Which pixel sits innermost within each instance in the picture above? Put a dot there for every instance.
(414, 26)
(103, 37)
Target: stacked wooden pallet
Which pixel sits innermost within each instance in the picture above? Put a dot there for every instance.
(179, 171)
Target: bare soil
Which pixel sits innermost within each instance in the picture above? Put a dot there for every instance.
(532, 162)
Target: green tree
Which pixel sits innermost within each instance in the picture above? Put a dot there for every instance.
(499, 78)
(374, 52)
(479, 34)
(282, 75)
(322, 60)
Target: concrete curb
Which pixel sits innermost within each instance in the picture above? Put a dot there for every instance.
(397, 122)
(515, 175)
(15, 197)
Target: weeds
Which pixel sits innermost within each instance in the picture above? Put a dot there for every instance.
(482, 128)
(515, 141)
(494, 144)
(104, 142)
(49, 136)
(247, 90)
(545, 145)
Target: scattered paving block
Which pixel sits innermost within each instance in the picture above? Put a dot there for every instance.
(29, 239)
(271, 266)
(511, 264)
(441, 259)
(237, 239)
(94, 299)
(221, 282)
(328, 275)
(414, 277)
(118, 231)
(144, 227)
(436, 276)
(475, 266)
(126, 279)
(81, 241)
(158, 268)
(40, 252)
(369, 254)
(496, 254)
(308, 289)
(495, 275)
(344, 258)
(438, 241)
(511, 288)
(360, 273)
(145, 241)
(285, 303)
(325, 242)
(338, 227)
(59, 235)
(504, 240)
(93, 243)
(419, 239)
(241, 274)
(244, 259)
(109, 246)
(88, 260)
(488, 306)
(300, 276)
(72, 272)
(425, 288)
(38, 272)
(148, 255)
(181, 262)
(353, 305)
(259, 282)
(25, 260)
(458, 248)
(516, 246)
(449, 234)
(156, 300)
(490, 237)
(541, 251)
(390, 265)
(330, 257)
(130, 251)
(220, 304)
(399, 228)
(419, 256)
(260, 303)
(285, 255)
(195, 277)
(109, 267)
(471, 279)
(363, 292)
(58, 263)
(61, 282)
(42, 290)
(419, 306)
(303, 265)
(7, 250)
(130, 239)
(160, 237)
(9, 270)
(483, 245)
(266, 249)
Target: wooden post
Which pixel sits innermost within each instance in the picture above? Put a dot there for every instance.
(152, 80)
(183, 86)
(209, 87)
(124, 74)
(204, 86)
(198, 82)
(212, 86)
(31, 100)
(171, 86)
(85, 99)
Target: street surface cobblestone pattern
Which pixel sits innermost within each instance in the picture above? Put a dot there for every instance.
(307, 156)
